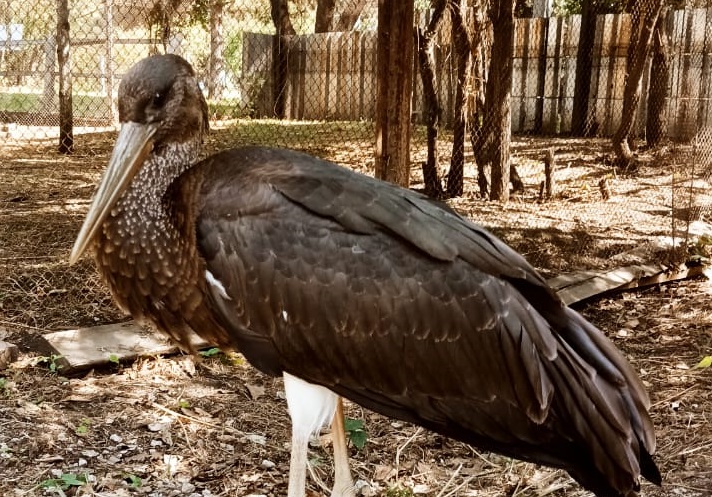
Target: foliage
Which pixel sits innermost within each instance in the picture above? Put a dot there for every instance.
(65, 481)
(705, 363)
(83, 427)
(570, 7)
(133, 480)
(210, 352)
(355, 431)
(51, 361)
(399, 491)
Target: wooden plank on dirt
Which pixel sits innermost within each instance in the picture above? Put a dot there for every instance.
(85, 348)
(595, 283)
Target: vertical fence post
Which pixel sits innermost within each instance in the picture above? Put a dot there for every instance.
(109, 70)
(66, 118)
(48, 94)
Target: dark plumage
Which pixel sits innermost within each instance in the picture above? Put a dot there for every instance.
(375, 292)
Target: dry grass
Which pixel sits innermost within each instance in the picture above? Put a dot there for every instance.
(187, 428)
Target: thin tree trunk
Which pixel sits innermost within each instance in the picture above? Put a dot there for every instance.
(461, 45)
(644, 19)
(426, 58)
(66, 115)
(394, 89)
(481, 141)
(216, 83)
(581, 125)
(656, 120)
(324, 16)
(499, 90)
(280, 54)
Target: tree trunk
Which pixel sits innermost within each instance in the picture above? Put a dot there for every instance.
(280, 54)
(431, 103)
(351, 13)
(394, 88)
(499, 91)
(216, 81)
(324, 16)
(461, 49)
(581, 125)
(656, 119)
(481, 45)
(644, 19)
(66, 115)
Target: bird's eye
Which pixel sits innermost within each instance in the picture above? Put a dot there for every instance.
(159, 98)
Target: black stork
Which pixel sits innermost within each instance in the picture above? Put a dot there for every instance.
(349, 286)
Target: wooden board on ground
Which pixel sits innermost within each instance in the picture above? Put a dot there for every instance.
(92, 347)
(85, 348)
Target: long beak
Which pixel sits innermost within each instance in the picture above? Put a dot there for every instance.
(130, 151)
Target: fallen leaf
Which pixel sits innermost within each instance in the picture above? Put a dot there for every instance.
(705, 362)
(384, 472)
(256, 391)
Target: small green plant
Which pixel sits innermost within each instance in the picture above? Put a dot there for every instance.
(183, 404)
(133, 480)
(210, 352)
(114, 358)
(355, 432)
(3, 386)
(705, 363)
(51, 361)
(399, 491)
(64, 482)
(83, 427)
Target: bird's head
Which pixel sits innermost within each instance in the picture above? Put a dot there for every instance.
(160, 103)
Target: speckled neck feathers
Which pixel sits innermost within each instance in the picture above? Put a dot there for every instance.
(141, 231)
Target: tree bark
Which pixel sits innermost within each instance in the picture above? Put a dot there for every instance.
(324, 16)
(581, 125)
(499, 90)
(347, 19)
(481, 45)
(461, 46)
(656, 119)
(394, 89)
(280, 54)
(66, 114)
(645, 17)
(216, 81)
(426, 59)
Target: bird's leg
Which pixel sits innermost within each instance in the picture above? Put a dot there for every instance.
(310, 407)
(343, 483)
(298, 465)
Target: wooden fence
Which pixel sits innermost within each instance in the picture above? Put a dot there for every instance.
(332, 75)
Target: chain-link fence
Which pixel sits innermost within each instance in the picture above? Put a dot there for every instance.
(302, 74)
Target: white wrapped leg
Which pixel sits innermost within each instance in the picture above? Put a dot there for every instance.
(310, 407)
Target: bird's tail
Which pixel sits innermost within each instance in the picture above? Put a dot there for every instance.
(608, 406)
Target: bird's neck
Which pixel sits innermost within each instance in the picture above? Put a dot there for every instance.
(144, 198)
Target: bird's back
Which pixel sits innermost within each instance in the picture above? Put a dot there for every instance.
(394, 301)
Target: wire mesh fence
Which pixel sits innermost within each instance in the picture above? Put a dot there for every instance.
(302, 74)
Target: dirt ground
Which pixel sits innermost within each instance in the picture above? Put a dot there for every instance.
(185, 426)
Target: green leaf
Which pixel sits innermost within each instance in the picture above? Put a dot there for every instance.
(114, 358)
(351, 424)
(72, 480)
(705, 362)
(210, 352)
(355, 431)
(133, 480)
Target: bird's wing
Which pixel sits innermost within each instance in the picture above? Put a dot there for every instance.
(398, 303)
